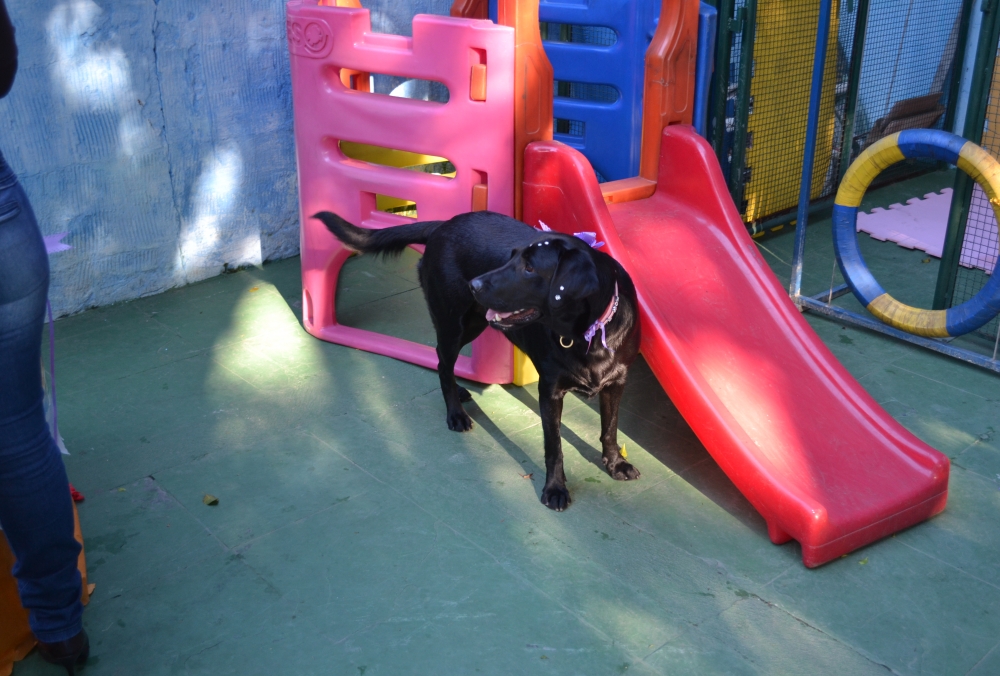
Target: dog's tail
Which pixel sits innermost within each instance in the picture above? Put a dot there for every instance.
(386, 241)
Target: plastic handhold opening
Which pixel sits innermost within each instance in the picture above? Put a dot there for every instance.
(338, 79)
(396, 206)
(477, 86)
(398, 159)
(569, 127)
(477, 82)
(414, 89)
(356, 80)
(600, 36)
(480, 191)
(480, 198)
(586, 91)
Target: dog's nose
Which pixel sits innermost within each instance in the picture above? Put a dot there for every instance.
(477, 285)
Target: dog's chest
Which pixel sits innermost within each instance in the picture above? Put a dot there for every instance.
(588, 379)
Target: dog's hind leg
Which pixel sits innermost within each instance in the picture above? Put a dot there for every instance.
(550, 404)
(617, 466)
(473, 324)
(449, 343)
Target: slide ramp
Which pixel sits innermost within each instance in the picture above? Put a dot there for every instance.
(820, 460)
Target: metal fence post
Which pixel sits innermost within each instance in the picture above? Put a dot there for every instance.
(986, 54)
(740, 117)
(853, 85)
(720, 81)
(957, 62)
(808, 158)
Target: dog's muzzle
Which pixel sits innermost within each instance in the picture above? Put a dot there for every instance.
(511, 319)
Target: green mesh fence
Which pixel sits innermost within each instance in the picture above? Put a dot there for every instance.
(979, 247)
(903, 81)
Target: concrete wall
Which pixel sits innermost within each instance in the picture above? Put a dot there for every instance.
(159, 135)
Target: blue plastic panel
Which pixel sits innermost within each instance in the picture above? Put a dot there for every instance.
(604, 121)
(608, 129)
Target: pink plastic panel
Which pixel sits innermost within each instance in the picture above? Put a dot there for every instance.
(477, 136)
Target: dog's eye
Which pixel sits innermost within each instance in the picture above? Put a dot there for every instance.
(528, 268)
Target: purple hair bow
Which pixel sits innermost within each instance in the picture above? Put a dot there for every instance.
(589, 237)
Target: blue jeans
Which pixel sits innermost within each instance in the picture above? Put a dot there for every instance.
(36, 511)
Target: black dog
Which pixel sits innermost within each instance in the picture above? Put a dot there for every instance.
(570, 308)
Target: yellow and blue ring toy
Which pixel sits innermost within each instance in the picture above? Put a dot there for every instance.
(925, 144)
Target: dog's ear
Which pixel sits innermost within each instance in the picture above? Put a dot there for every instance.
(575, 277)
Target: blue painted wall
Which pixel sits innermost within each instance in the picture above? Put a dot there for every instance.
(159, 135)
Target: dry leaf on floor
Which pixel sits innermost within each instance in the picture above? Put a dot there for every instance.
(210, 499)
(91, 587)
(527, 476)
(863, 561)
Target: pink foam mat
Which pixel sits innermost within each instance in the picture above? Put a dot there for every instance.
(918, 224)
(921, 224)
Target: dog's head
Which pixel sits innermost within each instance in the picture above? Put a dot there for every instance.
(548, 280)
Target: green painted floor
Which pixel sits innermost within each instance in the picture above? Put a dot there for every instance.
(356, 535)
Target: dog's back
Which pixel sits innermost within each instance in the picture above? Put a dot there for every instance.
(468, 244)
(474, 243)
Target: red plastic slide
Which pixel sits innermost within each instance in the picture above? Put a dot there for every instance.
(821, 461)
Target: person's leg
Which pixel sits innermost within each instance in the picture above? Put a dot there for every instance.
(36, 512)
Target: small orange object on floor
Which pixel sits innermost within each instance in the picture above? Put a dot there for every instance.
(16, 639)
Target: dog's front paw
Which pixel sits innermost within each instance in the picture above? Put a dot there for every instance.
(622, 471)
(459, 421)
(555, 497)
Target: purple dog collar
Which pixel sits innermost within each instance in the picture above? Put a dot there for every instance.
(601, 322)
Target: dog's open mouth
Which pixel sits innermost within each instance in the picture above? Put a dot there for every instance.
(509, 319)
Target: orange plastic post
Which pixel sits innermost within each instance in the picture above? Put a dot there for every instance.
(670, 70)
(532, 83)
(16, 639)
(352, 79)
(532, 75)
(471, 9)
